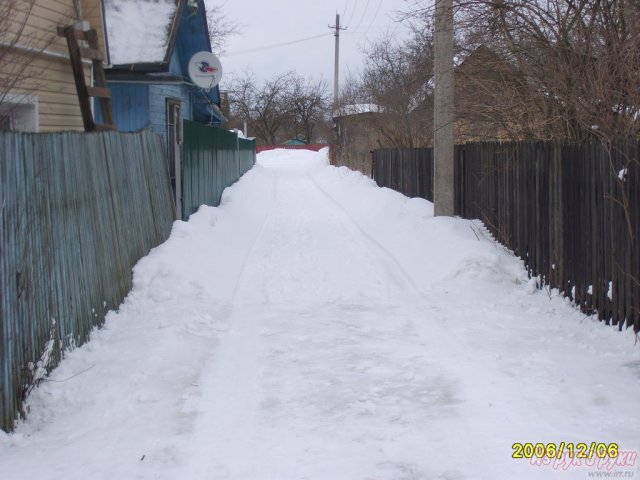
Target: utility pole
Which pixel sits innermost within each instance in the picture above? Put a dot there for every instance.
(336, 69)
(443, 189)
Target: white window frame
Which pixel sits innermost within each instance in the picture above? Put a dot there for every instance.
(22, 111)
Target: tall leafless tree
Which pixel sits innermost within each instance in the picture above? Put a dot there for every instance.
(576, 62)
(282, 107)
(221, 27)
(309, 105)
(396, 84)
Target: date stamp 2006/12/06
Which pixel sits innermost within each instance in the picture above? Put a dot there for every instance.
(570, 449)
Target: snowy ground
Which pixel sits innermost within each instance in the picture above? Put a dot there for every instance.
(318, 327)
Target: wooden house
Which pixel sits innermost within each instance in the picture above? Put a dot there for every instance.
(357, 130)
(488, 94)
(150, 45)
(37, 87)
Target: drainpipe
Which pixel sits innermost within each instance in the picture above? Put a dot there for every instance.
(83, 25)
(78, 8)
(80, 23)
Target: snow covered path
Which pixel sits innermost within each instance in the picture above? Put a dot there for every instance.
(318, 327)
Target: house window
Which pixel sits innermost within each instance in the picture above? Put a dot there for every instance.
(19, 113)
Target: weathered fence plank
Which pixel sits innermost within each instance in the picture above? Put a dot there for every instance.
(77, 211)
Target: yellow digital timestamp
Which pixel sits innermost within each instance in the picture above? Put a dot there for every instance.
(557, 450)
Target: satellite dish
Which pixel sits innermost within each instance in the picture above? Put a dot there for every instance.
(205, 70)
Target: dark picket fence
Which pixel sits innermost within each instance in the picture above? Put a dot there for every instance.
(570, 211)
(407, 170)
(359, 160)
(212, 159)
(77, 211)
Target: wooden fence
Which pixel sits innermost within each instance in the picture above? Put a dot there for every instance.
(571, 212)
(361, 161)
(77, 211)
(212, 159)
(408, 170)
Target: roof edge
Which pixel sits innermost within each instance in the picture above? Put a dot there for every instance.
(173, 33)
(146, 67)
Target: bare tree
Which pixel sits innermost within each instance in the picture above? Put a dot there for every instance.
(266, 108)
(25, 57)
(309, 105)
(575, 64)
(220, 28)
(19, 46)
(396, 82)
(282, 107)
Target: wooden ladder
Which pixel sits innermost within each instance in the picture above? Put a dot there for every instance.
(101, 91)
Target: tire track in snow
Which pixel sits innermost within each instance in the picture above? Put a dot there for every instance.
(391, 263)
(267, 218)
(328, 365)
(231, 365)
(420, 302)
(233, 392)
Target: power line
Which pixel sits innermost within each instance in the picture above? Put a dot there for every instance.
(391, 29)
(374, 17)
(353, 12)
(366, 7)
(277, 45)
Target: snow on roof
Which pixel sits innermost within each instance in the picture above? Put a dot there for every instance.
(138, 30)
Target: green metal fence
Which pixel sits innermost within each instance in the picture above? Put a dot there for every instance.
(212, 159)
(77, 211)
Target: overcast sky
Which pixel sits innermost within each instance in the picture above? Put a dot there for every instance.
(264, 24)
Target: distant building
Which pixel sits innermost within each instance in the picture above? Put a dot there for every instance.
(485, 88)
(357, 135)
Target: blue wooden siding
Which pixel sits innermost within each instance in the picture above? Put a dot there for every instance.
(138, 106)
(187, 102)
(130, 105)
(175, 66)
(158, 95)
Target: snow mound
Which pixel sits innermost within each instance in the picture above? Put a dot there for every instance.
(432, 249)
